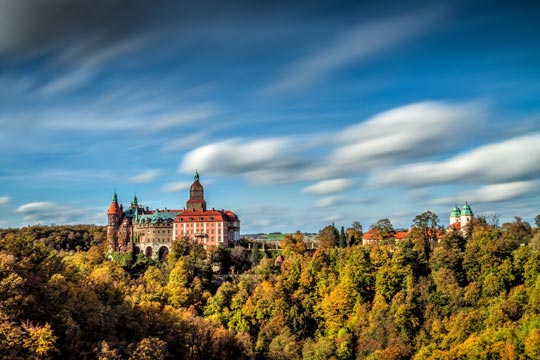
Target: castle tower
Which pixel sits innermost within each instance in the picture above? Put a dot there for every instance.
(455, 215)
(196, 200)
(114, 216)
(134, 203)
(466, 215)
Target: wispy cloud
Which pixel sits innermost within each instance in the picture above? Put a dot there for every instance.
(67, 81)
(183, 117)
(406, 133)
(328, 186)
(4, 200)
(264, 161)
(515, 159)
(491, 193)
(145, 177)
(49, 212)
(176, 186)
(413, 132)
(184, 142)
(355, 46)
(328, 201)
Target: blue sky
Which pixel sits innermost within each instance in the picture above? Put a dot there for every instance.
(296, 113)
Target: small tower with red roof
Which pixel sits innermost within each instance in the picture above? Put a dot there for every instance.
(114, 216)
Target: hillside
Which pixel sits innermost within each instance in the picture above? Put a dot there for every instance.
(474, 297)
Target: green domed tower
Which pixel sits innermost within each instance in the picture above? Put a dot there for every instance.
(466, 215)
(455, 215)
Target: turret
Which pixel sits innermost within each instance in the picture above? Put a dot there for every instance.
(196, 200)
(466, 215)
(134, 203)
(114, 216)
(455, 215)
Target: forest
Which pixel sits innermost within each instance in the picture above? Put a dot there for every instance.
(433, 295)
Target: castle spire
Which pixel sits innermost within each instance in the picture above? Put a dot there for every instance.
(196, 177)
(114, 208)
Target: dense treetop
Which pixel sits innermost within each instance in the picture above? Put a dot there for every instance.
(463, 296)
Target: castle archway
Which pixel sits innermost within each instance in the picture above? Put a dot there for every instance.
(148, 251)
(163, 252)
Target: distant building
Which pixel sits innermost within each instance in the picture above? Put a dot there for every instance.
(152, 232)
(373, 236)
(460, 218)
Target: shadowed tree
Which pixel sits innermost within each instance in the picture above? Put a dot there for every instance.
(328, 237)
(428, 224)
(342, 238)
(385, 229)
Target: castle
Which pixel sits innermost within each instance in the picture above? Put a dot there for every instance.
(152, 232)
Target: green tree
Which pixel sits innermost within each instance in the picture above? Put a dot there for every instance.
(428, 224)
(385, 229)
(342, 238)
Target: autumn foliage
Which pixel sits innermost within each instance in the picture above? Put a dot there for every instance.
(459, 297)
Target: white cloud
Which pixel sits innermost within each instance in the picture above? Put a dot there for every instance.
(265, 160)
(506, 161)
(34, 207)
(67, 81)
(491, 193)
(50, 212)
(327, 201)
(4, 200)
(354, 46)
(183, 117)
(333, 218)
(184, 142)
(176, 186)
(328, 186)
(408, 132)
(411, 132)
(145, 177)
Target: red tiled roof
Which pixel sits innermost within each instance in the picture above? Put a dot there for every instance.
(372, 234)
(455, 226)
(208, 215)
(114, 209)
(401, 235)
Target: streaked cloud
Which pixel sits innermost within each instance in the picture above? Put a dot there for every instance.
(47, 212)
(263, 160)
(176, 186)
(491, 193)
(327, 201)
(328, 186)
(145, 177)
(506, 161)
(183, 117)
(184, 142)
(4, 200)
(354, 46)
(405, 133)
